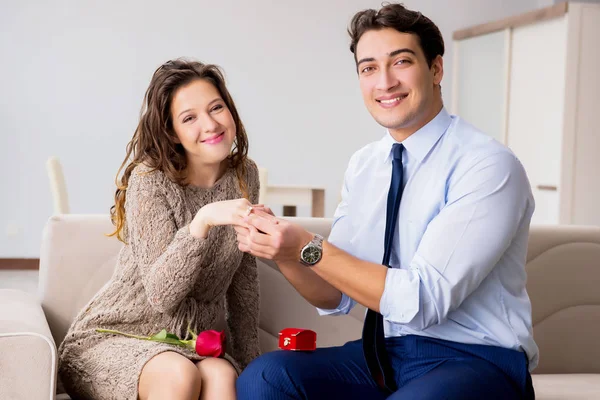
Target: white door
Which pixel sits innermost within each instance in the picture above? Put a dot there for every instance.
(536, 109)
(480, 82)
(586, 181)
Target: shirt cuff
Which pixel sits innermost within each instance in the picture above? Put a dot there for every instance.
(346, 304)
(400, 300)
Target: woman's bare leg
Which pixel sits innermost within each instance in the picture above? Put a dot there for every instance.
(218, 379)
(169, 376)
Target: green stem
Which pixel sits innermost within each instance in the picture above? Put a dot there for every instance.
(122, 334)
(194, 336)
(182, 343)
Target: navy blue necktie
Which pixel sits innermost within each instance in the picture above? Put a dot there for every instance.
(373, 334)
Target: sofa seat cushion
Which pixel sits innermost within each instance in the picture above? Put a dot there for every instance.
(566, 386)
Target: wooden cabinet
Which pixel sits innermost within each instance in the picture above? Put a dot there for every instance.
(533, 83)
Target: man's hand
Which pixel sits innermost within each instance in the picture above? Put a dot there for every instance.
(322, 285)
(281, 241)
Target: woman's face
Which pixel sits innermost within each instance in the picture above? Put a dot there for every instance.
(202, 122)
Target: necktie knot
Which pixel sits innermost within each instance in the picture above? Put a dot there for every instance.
(397, 151)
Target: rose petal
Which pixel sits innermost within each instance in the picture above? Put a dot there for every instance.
(210, 343)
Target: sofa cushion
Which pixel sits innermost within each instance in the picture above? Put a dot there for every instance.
(27, 351)
(567, 386)
(563, 268)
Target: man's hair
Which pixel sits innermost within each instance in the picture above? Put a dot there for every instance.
(398, 17)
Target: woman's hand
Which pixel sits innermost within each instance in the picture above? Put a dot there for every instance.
(272, 238)
(256, 208)
(263, 208)
(229, 212)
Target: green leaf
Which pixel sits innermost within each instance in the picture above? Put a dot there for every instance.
(160, 335)
(168, 340)
(165, 337)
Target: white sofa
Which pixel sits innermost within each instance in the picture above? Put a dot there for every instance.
(77, 259)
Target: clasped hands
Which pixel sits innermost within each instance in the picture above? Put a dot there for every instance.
(259, 232)
(269, 237)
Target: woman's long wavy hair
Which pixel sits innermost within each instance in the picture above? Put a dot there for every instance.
(154, 141)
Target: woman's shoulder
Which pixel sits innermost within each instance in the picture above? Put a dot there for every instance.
(251, 170)
(252, 180)
(145, 177)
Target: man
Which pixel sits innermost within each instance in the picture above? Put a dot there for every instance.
(447, 209)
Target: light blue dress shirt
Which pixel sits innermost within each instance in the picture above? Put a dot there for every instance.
(458, 259)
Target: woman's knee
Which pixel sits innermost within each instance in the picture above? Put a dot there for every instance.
(216, 368)
(173, 373)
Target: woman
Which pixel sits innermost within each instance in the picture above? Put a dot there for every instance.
(188, 184)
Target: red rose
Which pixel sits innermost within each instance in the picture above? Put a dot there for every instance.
(210, 343)
(206, 344)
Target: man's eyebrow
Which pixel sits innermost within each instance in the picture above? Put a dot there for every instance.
(392, 54)
(405, 50)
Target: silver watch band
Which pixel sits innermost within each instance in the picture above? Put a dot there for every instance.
(312, 252)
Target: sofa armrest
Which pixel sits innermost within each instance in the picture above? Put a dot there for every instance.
(28, 358)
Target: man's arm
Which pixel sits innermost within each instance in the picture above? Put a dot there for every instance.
(362, 281)
(311, 286)
(488, 203)
(458, 250)
(305, 280)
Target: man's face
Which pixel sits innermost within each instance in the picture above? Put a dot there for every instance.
(398, 86)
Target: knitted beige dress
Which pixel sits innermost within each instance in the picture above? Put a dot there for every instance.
(164, 279)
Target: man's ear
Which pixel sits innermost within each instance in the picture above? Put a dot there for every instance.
(437, 67)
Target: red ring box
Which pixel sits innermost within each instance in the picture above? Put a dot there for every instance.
(297, 339)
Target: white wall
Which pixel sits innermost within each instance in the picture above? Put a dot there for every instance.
(73, 74)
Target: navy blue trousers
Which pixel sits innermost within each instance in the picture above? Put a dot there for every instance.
(425, 368)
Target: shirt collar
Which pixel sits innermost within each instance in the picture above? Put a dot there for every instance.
(420, 143)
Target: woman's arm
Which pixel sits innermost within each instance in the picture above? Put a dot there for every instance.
(169, 258)
(243, 299)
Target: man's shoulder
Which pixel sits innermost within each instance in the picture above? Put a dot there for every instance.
(472, 144)
(470, 152)
(366, 153)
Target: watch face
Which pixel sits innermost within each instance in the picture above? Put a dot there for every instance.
(311, 254)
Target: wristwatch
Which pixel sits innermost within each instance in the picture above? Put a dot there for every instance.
(312, 252)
